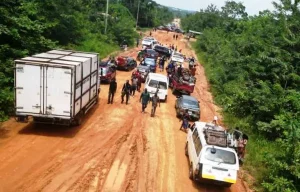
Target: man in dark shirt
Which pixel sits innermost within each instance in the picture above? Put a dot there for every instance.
(126, 91)
(155, 100)
(144, 99)
(112, 91)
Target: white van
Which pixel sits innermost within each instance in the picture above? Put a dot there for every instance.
(158, 82)
(210, 158)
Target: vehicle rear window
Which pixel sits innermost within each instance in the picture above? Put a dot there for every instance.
(221, 156)
(150, 51)
(150, 61)
(157, 84)
(190, 103)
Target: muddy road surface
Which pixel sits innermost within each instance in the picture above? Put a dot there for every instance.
(117, 148)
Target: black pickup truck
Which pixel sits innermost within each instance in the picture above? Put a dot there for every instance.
(161, 50)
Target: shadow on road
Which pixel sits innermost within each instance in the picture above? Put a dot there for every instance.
(51, 130)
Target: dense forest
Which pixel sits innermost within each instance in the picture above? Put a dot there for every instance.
(33, 26)
(253, 66)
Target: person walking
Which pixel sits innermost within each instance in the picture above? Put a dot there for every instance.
(112, 91)
(139, 83)
(185, 120)
(134, 81)
(155, 100)
(145, 97)
(126, 91)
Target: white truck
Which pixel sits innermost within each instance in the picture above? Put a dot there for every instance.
(56, 87)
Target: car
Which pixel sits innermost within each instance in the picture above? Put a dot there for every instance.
(111, 62)
(147, 53)
(177, 30)
(126, 63)
(161, 50)
(190, 103)
(157, 83)
(151, 62)
(211, 159)
(144, 71)
(149, 42)
(184, 83)
(177, 57)
(107, 72)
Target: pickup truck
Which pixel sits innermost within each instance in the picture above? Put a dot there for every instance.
(184, 84)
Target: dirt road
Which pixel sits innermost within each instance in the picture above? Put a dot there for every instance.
(117, 148)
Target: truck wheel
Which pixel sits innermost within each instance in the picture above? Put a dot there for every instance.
(174, 90)
(166, 99)
(186, 149)
(78, 120)
(191, 174)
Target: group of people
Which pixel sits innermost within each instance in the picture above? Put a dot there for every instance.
(175, 36)
(129, 90)
(162, 61)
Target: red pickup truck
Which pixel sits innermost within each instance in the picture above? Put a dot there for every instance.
(184, 84)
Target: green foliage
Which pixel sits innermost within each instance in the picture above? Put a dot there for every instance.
(252, 64)
(151, 14)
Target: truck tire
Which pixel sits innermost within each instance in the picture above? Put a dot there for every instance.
(78, 120)
(166, 99)
(191, 174)
(186, 149)
(173, 90)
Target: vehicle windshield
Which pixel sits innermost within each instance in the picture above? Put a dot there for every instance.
(221, 156)
(158, 84)
(102, 71)
(149, 61)
(190, 104)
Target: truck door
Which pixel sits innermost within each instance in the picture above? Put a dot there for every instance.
(28, 90)
(58, 91)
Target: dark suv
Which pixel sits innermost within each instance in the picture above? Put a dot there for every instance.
(161, 50)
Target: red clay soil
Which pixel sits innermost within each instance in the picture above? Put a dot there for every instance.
(117, 148)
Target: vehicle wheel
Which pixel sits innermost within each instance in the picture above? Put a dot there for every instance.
(186, 149)
(191, 174)
(173, 90)
(78, 120)
(177, 114)
(166, 99)
(227, 185)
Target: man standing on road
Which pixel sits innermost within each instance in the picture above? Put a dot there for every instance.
(134, 84)
(155, 100)
(145, 97)
(112, 91)
(185, 120)
(126, 91)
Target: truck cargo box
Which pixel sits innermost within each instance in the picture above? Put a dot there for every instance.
(56, 88)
